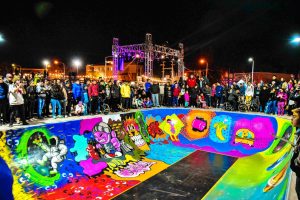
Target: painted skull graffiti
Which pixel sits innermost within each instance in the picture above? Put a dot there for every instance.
(132, 130)
(107, 141)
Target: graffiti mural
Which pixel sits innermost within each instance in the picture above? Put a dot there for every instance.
(101, 157)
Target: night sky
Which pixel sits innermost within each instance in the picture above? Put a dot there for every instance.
(226, 32)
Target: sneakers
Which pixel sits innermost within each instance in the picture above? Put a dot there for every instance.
(54, 117)
(25, 123)
(60, 116)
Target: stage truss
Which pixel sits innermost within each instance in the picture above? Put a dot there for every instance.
(148, 52)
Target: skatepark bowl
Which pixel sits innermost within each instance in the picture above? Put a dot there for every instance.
(152, 154)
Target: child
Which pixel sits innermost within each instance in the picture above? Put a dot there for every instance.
(79, 109)
(202, 101)
(149, 103)
(282, 99)
(186, 98)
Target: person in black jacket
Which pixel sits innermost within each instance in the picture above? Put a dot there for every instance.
(56, 96)
(264, 97)
(295, 161)
(3, 101)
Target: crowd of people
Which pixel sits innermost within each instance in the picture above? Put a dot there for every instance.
(28, 98)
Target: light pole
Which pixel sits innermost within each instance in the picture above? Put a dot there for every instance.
(202, 61)
(295, 40)
(251, 60)
(2, 40)
(77, 63)
(46, 63)
(64, 66)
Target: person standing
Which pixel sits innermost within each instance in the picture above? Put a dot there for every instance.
(3, 101)
(154, 89)
(16, 102)
(77, 92)
(41, 93)
(115, 96)
(31, 95)
(219, 95)
(125, 94)
(56, 96)
(161, 94)
(147, 88)
(93, 92)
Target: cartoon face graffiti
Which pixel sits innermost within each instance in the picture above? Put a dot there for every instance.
(132, 129)
(244, 136)
(107, 141)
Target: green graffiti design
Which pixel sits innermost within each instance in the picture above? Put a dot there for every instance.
(139, 118)
(22, 158)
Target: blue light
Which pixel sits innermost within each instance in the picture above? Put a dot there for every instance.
(2, 38)
(295, 40)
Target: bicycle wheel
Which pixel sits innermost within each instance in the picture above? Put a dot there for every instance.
(254, 108)
(228, 106)
(105, 108)
(242, 107)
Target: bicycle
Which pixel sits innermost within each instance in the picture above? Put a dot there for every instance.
(104, 107)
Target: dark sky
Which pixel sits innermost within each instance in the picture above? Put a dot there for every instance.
(227, 32)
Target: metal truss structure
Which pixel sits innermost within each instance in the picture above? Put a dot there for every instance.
(148, 52)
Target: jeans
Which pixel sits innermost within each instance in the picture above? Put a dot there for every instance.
(54, 103)
(175, 101)
(280, 108)
(208, 100)
(41, 103)
(271, 107)
(155, 99)
(298, 187)
(125, 103)
(17, 108)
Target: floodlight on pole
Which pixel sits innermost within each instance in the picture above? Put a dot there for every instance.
(252, 71)
(202, 61)
(295, 40)
(77, 63)
(46, 63)
(2, 40)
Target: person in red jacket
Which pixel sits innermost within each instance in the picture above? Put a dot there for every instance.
(176, 92)
(191, 82)
(93, 92)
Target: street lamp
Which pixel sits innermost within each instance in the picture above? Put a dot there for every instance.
(57, 62)
(252, 61)
(77, 63)
(46, 63)
(202, 61)
(2, 40)
(295, 40)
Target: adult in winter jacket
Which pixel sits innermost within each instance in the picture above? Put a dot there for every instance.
(192, 81)
(77, 91)
(125, 94)
(41, 93)
(264, 97)
(93, 92)
(3, 101)
(56, 96)
(115, 96)
(16, 102)
(154, 89)
(31, 97)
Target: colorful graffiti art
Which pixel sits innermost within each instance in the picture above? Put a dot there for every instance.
(102, 157)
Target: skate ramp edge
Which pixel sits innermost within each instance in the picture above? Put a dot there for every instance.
(104, 156)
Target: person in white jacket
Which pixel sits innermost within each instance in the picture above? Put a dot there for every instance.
(249, 92)
(16, 101)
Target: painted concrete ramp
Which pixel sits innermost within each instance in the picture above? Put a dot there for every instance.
(104, 156)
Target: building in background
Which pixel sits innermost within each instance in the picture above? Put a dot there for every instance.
(130, 73)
